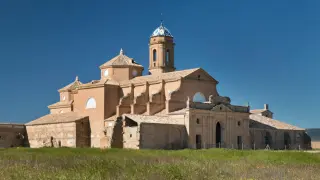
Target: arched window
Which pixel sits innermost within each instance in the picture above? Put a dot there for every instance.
(154, 55)
(167, 57)
(199, 97)
(91, 103)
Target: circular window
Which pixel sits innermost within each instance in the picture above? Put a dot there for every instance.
(106, 73)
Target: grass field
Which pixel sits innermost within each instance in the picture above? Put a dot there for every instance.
(65, 163)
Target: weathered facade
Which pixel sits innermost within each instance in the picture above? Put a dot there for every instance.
(59, 130)
(166, 109)
(12, 135)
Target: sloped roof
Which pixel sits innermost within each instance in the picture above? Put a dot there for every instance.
(164, 112)
(257, 111)
(162, 76)
(121, 60)
(74, 85)
(56, 118)
(154, 119)
(273, 123)
(61, 104)
(99, 82)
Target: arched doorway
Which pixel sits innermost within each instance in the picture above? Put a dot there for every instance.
(267, 139)
(287, 140)
(218, 135)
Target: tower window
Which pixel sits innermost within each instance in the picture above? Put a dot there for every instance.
(198, 121)
(154, 55)
(167, 57)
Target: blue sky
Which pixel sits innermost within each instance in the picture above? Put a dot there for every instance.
(259, 51)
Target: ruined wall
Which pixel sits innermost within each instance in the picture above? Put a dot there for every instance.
(162, 136)
(12, 135)
(83, 133)
(62, 134)
(277, 139)
(131, 137)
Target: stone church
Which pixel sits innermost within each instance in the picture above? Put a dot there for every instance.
(166, 109)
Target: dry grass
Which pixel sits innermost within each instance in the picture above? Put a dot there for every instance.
(115, 164)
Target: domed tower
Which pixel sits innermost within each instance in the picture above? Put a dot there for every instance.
(161, 51)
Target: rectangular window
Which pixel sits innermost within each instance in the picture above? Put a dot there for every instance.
(198, 141)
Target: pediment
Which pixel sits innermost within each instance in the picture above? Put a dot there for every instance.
(201, 74)
(221, 108)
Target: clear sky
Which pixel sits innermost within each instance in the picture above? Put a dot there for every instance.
(259, 51)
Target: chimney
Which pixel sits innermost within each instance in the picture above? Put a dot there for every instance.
(266, 106)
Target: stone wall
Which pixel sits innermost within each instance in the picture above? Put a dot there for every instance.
(161, 136)
(234, 127)
(277, 139)
(315, 144)
(83, 133)
(12, 135)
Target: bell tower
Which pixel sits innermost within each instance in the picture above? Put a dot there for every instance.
(161, 51)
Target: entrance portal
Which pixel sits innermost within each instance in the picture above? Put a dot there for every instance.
(218, 135)
(198, 141)
(287, 140)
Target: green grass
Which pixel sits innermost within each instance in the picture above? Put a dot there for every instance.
(65, 163)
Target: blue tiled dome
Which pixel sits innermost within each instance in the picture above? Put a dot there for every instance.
(161, 31)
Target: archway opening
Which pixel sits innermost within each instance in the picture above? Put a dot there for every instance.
(154, 55)
(218, 135)
(287, 140)
(91, 104)
(268, 139)
(199, 97)
(167, 57)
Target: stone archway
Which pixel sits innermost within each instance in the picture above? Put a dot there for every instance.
(218, 135)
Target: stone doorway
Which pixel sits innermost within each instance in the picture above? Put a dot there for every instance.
(218, 135)
(287, 140)
(198, 141)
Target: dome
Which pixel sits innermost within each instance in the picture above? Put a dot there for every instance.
(161, 31)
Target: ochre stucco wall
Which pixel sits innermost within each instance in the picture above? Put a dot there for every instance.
(96, 116)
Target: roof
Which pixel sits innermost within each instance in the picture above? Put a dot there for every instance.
(112, 118)
(273, 123)
(61, 104)
(121, 60)
(13, 124)
(74, 85)
(56, 118)
(161, 31)
(99, 83)
(154, 119)
(164, 112)
(162, 76)
(257, 111)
